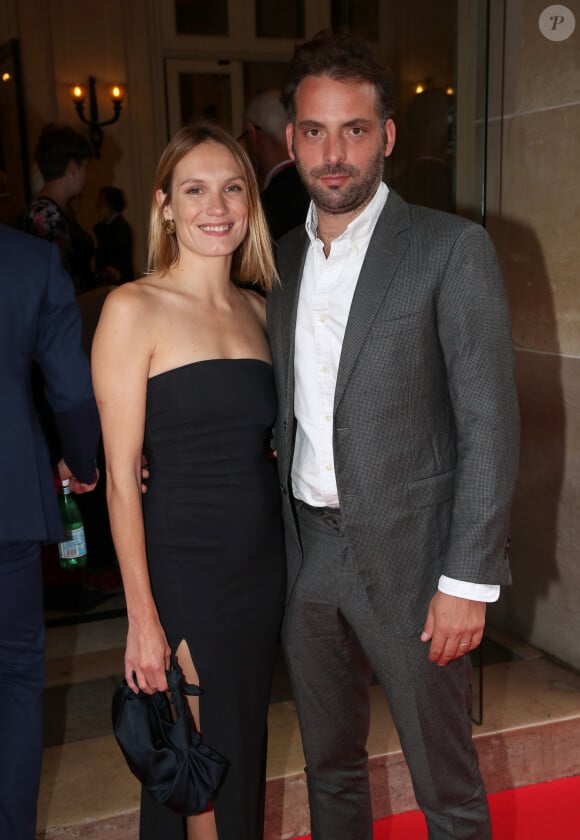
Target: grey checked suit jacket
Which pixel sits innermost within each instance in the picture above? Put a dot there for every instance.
(426, 424)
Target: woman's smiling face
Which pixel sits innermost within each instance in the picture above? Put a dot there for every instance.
(209, 201)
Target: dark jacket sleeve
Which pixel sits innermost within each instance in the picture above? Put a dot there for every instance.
(66, 372)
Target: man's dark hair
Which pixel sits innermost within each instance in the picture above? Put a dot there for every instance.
(114, 198)
(344, 57)
(57, 145)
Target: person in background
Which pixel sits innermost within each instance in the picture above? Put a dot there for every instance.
(62, 155)
(39, 319)
(284, 198)
(9, 209)
(181, 366)
(114, 253)
(82, 247)
(397, 437)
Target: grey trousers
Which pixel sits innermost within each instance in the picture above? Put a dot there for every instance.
(333, 645)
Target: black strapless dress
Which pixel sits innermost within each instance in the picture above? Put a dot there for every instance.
(216, 562)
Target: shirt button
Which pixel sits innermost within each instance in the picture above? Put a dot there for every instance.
(328, 468)
(327, 418)
(323, 369)
(322, 319)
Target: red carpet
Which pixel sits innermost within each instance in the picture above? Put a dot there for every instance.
(549, 811)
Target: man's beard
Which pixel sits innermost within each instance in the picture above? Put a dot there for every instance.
(356, 194)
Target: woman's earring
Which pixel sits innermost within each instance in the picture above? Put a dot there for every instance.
(169, 226)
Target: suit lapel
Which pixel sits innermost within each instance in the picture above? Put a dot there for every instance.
(388, 243)
(293, 263)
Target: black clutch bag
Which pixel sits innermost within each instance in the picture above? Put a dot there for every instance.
(163, 750)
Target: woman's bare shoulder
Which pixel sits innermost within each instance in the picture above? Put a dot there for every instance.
(129, 315)
(132, 300)
(257, 302)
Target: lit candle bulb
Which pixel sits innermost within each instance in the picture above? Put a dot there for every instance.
(77, 92)
(116, 93)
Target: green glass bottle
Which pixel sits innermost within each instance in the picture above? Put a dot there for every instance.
(72, 552)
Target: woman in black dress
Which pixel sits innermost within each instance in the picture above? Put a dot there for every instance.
(181, 369)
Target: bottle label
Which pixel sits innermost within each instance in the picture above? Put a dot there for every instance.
(74, 545)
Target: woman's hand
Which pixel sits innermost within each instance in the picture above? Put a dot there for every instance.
(147, 657)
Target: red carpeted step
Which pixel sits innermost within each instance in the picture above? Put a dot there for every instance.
(548, 811)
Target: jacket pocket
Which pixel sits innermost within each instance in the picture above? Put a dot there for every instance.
(432, 490)
(410, 322)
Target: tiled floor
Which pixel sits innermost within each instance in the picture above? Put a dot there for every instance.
(530, 732)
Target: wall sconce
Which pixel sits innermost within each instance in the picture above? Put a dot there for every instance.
(79, 94)
(421, 87)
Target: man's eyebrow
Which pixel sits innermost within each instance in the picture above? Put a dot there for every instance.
(315, 124)
(310, 124)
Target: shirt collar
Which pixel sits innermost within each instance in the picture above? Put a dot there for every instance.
(361, 226)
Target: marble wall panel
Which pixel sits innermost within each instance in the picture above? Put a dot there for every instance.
(539, 73)
(537, 231)
(543, 604)
(534, 197)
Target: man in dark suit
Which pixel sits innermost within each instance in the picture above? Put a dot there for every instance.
(284, 198)
(114, 252)
(397, 439)
(39, 321)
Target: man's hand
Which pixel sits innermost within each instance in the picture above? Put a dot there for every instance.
(75, 485)
(454, 626)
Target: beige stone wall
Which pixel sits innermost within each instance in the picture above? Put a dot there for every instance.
(533, 212)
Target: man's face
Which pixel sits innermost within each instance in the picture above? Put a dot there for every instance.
(339, 143)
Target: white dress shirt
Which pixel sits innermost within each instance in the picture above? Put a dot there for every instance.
(326, 292)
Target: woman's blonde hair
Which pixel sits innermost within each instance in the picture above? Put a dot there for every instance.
(253, 260)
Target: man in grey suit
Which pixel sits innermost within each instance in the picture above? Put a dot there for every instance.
(397, 439)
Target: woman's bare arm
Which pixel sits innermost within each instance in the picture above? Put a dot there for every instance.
(121, 355)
